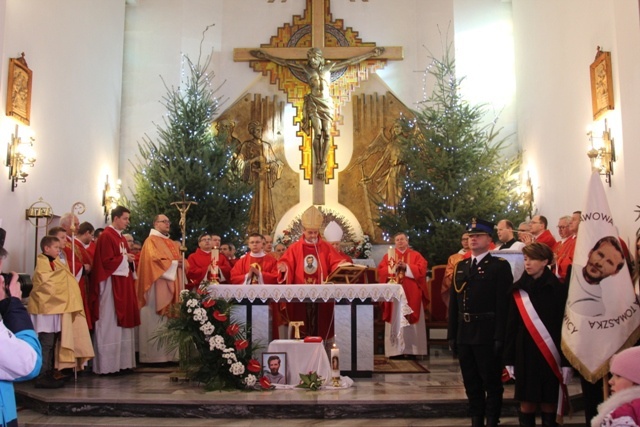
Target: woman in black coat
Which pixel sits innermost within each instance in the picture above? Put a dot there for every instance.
(536, 384)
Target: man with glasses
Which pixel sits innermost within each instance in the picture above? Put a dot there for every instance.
(562, 245)
(564, 253)
(159, 284)
(524, 232)
(540, 233)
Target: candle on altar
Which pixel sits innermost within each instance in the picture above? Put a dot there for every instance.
(215, 253)
(391, 260)
(391, 254)
(335, 361)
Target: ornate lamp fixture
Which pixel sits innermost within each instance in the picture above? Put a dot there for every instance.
(20, 155)
(602, 155)
(110, 197)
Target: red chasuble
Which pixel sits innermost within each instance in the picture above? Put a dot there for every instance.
(415, 289)
(309, 263)
(547, 238)
(107, 258)
(564, 257)
(82, 257)
(199, 263)
(91, 249)
(267, 267)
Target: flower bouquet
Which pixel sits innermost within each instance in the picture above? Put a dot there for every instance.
(213, 350)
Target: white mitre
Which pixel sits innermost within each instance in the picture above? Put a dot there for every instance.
(333, 232)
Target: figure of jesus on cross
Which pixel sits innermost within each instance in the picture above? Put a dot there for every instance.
(318, 110)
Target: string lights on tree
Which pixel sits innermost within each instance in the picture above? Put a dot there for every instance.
(456, 168)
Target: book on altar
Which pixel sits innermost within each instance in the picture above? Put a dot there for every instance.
(346, 273)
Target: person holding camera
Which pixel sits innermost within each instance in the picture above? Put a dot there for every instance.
(21, 355)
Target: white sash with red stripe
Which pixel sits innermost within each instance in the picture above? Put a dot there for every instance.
(544, 342)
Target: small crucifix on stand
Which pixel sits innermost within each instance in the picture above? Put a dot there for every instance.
(296, 328)
(183, 206)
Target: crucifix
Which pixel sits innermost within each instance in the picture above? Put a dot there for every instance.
(327, 41)
(183, 206)
(296, 327)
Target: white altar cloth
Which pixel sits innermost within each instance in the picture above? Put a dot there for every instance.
(323, 293)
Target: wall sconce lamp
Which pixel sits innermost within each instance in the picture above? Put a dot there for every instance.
(110, 197)
(602, 155)
(20, 155)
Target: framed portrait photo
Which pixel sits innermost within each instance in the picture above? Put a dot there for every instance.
(274, 367)
(19, 90)
(601, 84)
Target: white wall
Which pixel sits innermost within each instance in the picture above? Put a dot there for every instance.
(74, 48)
(555, 42)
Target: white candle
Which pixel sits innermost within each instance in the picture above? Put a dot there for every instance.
(335, 361)
(391, 260)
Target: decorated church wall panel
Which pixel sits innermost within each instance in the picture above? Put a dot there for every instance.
(278, 182)
(370, 177)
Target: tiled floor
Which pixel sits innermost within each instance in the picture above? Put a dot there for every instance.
(441, 386)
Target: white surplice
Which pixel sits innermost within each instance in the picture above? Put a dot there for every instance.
(114, 346)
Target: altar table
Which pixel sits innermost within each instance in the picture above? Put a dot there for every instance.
(353, 314)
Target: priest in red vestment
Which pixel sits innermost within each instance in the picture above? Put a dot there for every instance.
(564, 251)
(255, 267)
(310, 260)
(411, 273)
(201, 266)
(228, 252)
(540, 233)
(80, 262)
(113, 298)
(259, 268)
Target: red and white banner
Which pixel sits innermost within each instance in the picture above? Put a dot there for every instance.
(602, 315)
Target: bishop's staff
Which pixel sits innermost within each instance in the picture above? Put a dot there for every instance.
(183, 206)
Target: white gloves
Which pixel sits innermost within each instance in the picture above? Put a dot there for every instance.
(567, 374)
(510, 370)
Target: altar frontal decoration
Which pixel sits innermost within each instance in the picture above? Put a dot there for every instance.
(213, 350)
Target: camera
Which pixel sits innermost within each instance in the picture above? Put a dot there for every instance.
(25, 284)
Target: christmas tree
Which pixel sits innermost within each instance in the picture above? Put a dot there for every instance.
(186, 156)
(455, 170)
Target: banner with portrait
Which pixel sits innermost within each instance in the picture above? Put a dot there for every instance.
(602, 314)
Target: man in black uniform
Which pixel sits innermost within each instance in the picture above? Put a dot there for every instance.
(477, 323)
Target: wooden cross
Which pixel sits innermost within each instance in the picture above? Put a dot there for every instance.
(296, 328)
(318, 40)
(319, 11)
